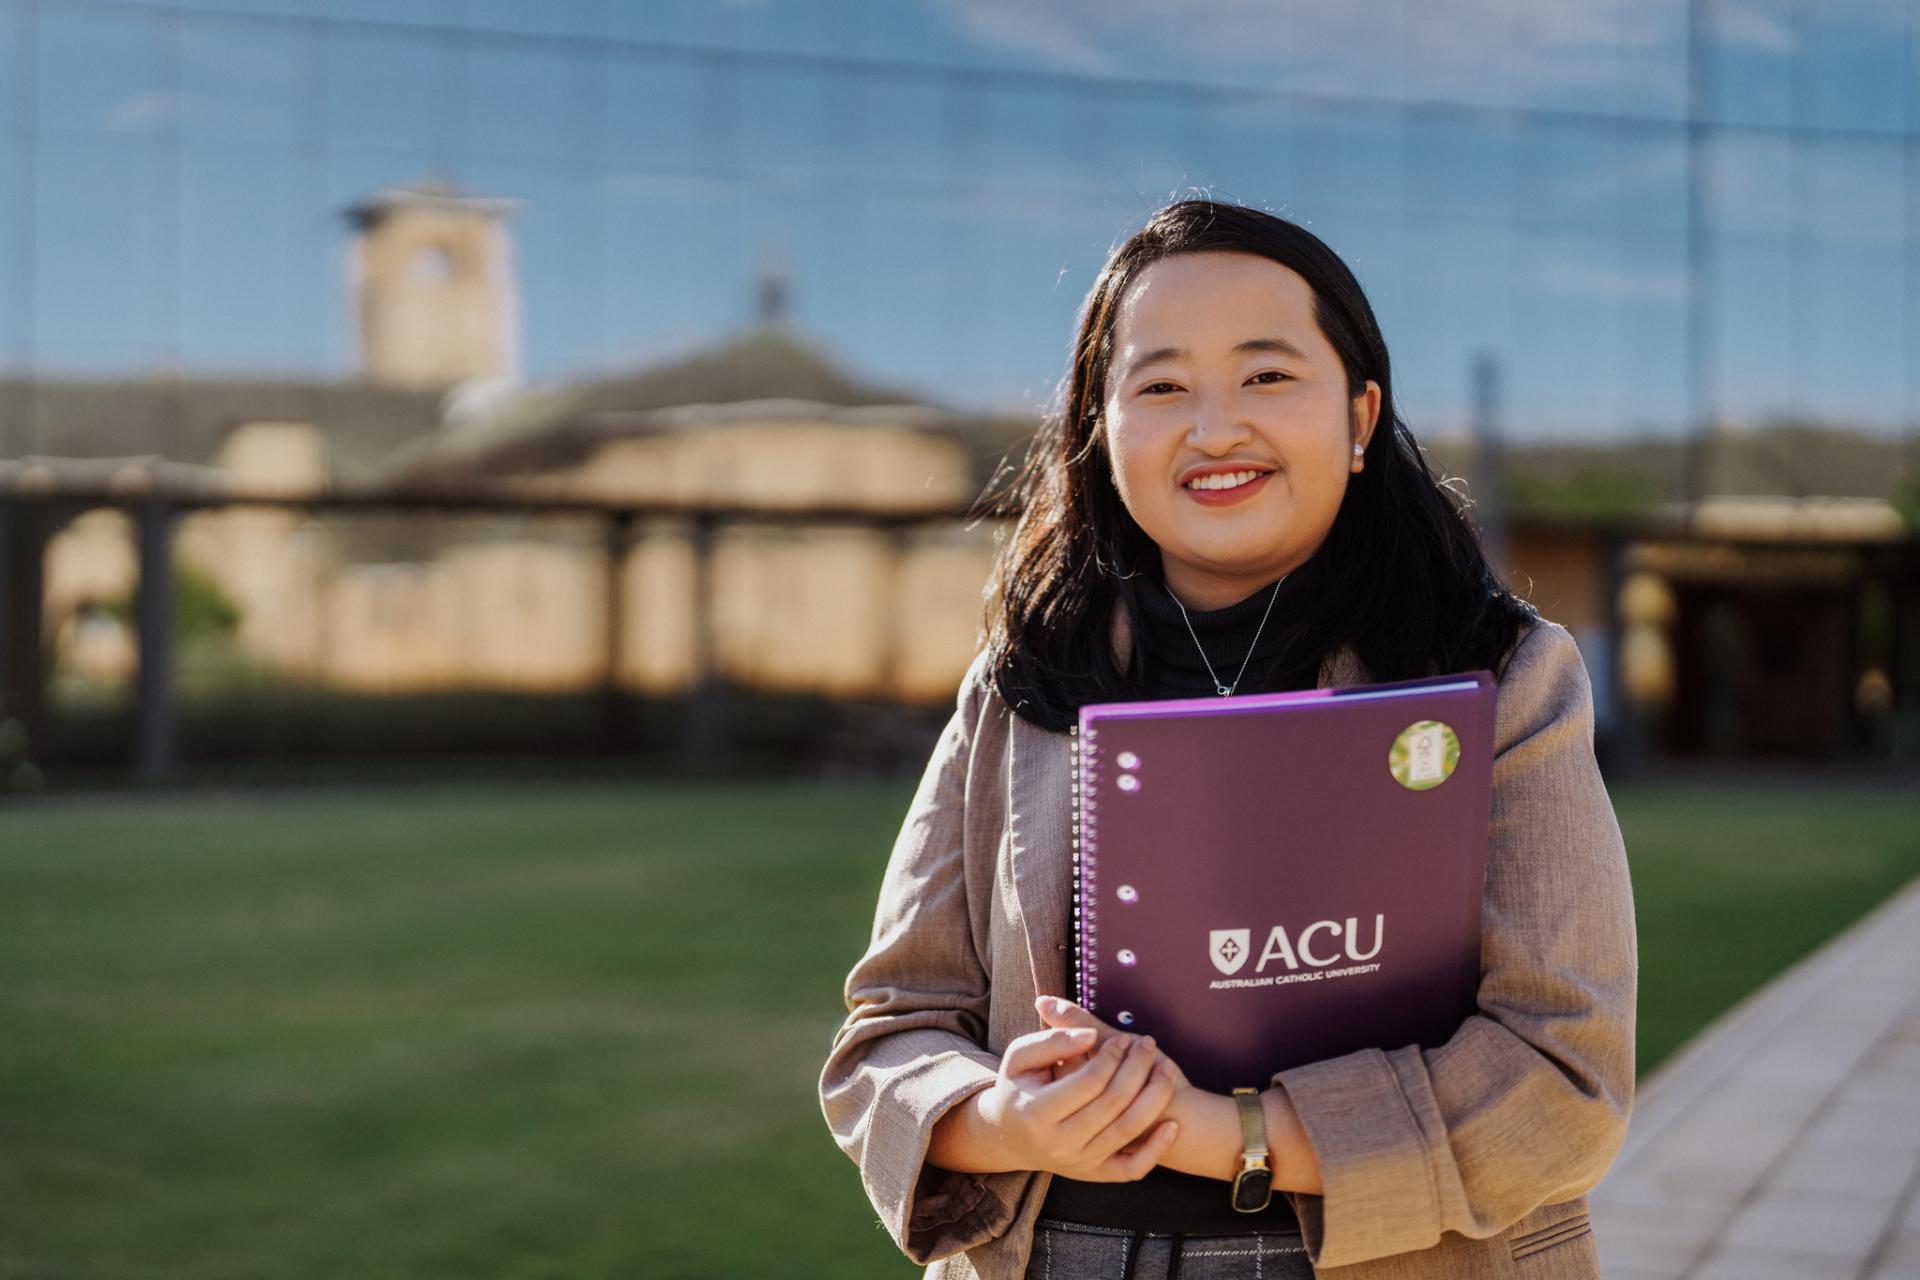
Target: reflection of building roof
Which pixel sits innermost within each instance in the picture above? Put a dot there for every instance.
(765, 374)
(131, 475)
(1634, 476)
(378, 434)
(1777, 565)
(427, 193)
(575, 440)
(186, 419)
(1766, 518)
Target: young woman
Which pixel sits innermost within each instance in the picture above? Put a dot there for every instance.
(1226, 502)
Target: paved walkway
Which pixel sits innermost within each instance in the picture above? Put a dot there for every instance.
(1784, 1140)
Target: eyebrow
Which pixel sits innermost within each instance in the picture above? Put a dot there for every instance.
(1279, 346)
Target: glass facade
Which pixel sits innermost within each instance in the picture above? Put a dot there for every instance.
(1648, 214)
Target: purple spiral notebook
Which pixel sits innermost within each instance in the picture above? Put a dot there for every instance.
(1266, 880)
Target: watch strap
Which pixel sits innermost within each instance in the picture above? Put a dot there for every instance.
(1252, 1188)
(1253, 1121)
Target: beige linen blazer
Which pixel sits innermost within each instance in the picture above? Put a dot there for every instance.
(1469, 1159)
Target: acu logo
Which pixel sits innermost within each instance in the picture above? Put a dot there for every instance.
(1229, 948)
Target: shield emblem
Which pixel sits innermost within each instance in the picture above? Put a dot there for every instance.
(1228, 949)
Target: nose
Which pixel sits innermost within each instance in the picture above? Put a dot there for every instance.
(1216, 428)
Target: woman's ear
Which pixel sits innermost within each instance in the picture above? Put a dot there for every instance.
(1366, 413)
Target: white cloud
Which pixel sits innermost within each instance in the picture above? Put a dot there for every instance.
(1056, 34)
(1581, 278)
(1489, 52)
(1497, 52)
(1758, 24)
(1844, 194)
(138, 110)
(1648, 166)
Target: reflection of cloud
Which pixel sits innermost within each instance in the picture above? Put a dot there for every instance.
(1055, 33)
(1576, 277)
(1842, 193)
(138, 110)
(1768, 25)
(1650, 166)
(1849, 191)
(1463, 49)
(681, 184)
(1018, 189)
(1338, 48)
(1757, 24)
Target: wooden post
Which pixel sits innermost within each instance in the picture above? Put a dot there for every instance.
(616, 726)
(24, 529)
(704, 732)
(154, 746)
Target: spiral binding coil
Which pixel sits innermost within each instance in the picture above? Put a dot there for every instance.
(1085, 868)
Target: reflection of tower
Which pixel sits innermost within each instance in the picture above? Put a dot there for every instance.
(1484, 485)
(434, 286)
(773, 288)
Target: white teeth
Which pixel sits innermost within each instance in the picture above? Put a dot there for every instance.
(1225, 480)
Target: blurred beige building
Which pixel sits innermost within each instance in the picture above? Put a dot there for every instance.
(435, 602)
(429, 601)
(1749, 621)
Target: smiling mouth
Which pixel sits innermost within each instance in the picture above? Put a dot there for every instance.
(1223, 482)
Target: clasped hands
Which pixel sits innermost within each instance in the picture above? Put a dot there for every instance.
(1084, 1099)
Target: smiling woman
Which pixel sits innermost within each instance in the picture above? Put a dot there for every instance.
(1259, 430)
(1226, 501)
(1220, 340)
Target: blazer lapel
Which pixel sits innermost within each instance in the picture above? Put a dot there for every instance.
(1039, 796)
(1040, 831)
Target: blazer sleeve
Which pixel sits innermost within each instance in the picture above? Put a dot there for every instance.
(913, 1044)
(1528, 1102)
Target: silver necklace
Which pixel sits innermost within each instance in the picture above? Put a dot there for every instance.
(1222, 689)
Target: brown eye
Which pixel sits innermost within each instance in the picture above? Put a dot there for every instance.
(1149, 388)
(1275, 372)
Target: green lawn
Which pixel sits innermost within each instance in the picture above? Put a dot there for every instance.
(575, 1031)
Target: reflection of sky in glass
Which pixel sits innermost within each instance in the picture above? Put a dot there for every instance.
(942, 179)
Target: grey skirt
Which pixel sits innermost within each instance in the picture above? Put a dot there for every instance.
(1081, 1251)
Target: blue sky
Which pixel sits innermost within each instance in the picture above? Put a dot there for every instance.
(943, 178)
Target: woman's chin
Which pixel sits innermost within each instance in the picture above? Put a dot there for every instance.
(1239, 558)
(1215, 539)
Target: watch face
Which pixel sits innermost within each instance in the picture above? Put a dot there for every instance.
(1252, 1189)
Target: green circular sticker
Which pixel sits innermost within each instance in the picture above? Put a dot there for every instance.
(1424, 755)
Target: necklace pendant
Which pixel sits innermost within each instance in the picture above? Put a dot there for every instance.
(1221, 689)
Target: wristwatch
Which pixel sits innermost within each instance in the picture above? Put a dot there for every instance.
(1253, 1185)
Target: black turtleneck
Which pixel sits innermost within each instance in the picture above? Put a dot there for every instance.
(1166, 1199)
(1173, 667)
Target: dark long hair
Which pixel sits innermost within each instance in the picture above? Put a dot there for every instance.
(1401, 575)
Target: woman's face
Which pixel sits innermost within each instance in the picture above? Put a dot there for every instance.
(1189, 390)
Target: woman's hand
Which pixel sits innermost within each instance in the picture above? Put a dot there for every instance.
(1056, 1011)
(1097, 1120)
